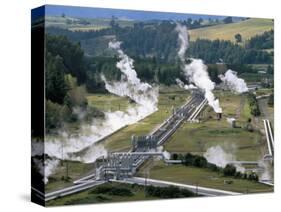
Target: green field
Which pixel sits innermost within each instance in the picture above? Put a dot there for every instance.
(198, 137)
(109, 102)
(76, 170)
(203, 177)
(247, 29)
(191, 137)
(90, 196)
(121, 140)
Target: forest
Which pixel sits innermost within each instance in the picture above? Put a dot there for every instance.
(159, 40)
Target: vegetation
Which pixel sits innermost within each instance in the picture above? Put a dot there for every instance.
(159, 41)
(116, 192)
(201, 162)
(196, 138)
(112, 190)
(74, 87)
(238, 38)
(248, 28)
(213, 51)
(228, 20)
(254, 106)
(66, 173)
(169, 97)
(263, 41)
(203, 177)
(110, 194)
(65, 73)
(168, 192)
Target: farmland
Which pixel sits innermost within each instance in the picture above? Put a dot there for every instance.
(247, 29)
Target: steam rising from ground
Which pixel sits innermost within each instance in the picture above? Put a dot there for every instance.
(83, 147)
(267, 173)
(185, 86)
(130, 85)
(66, 147)
(219, 157)
(46, 168)
(165, 153)
(196, 71)
(183, 37)
(233, 82)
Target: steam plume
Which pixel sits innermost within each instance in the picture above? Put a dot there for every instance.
(233, 82)
(130, 85)
(183, 38)
(219, 157)
(196, 71)
(83, 146)
(185, 86)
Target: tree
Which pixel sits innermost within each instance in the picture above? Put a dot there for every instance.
(238, 38)
(227, 20)
(229, 170)
(71, 53)
(55, 85)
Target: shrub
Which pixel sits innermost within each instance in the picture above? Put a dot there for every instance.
(229, 170)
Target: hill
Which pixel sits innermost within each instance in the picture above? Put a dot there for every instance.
(247, 29)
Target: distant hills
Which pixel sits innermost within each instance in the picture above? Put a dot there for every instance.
(88, 12)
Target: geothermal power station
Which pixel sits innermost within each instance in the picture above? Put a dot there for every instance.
(123, 121)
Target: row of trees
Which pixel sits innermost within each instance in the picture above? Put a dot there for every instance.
(201, 162)
(230, 53)
(168, 192)
(159, 40)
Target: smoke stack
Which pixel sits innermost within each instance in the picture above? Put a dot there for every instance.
(219, 115)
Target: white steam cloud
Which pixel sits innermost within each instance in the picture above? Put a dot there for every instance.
(165, 153)
(196, 71)
(46, 168)
(183, 37)
(233, 82)
(130, 85)
(83, 146)
(219, 157)
(185, 86)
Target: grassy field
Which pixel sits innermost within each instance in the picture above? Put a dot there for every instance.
(75, 170)
(198, 137)
(91, 196)
(247, 29)
(121, 140)
(108, 102)
(195, 138)
(203, 177)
